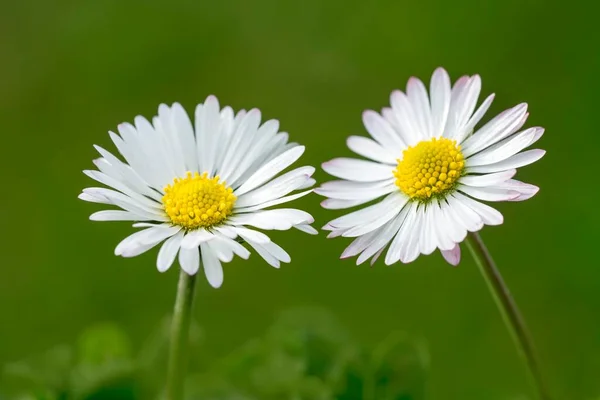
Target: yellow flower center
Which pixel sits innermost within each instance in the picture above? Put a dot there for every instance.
(429, 169)
(198, 201)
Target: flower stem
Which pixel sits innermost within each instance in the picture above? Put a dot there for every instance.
(509, 310)
(180, 327)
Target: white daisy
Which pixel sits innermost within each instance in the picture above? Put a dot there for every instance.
(432, 168)
(200, 187)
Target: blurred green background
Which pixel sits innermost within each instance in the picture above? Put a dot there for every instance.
(72, 70)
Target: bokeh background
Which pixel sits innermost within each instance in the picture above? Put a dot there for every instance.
(72, 70)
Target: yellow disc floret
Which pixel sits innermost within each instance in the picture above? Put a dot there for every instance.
(429, 169)
(198, 201)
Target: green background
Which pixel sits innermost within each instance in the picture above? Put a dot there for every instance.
(72, 70)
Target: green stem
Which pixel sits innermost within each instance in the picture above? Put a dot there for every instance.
(509, 310)
(180, 327)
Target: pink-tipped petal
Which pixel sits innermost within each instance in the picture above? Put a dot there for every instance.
(452, 256)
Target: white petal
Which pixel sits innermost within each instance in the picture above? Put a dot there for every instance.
(135, 249)
(142, 241)
(221, 250)
(348, 190)
(489, 179)
(189, 259)
(504, 149)
(271, 203)
(212, 266)
(307, 184)
(307, 229)
(516, 161)
(370, 213)
(234, 246)
(159, 233)
(117, 197)
(427, 238)
(344, 185)
(441, 227)
(538, 134)
(194, 238)
(489, 215)
(275, 189)
(168, 144)
(526, 191)
(359, 244)
(405, 120)
(117, 215)
(489, 194)
(168, 252)
(208, 133)
(250, 157)
(130, 240)
(280, 219)
(358, 170)
(265, 254)
(468, 129)
(245, 128)
(127, 175)
(440, 101)
(336, 204)
(152, 147)
(463, 215)
(227, 130)
(454, 227)
(381, 130)
(257, 153)
(271, 169)
(500, 127)
(452, 124)
(277, 252)
(387, 214)
(184, 132)
(409, 234)
(94, 198)
(338, 233)
(370, 149)
(271, 150)
(403, 235)
(140, 201)
(417, 95)
(227, 231)
(452, 256)
(147, 224)
(465, 106)
(383, 237)
(251, 235)
(377, 255)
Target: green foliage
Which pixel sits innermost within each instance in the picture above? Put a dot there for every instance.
(304, 355)
(99, 366)
(307, 355)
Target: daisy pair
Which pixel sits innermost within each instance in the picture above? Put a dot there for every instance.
(204, 188)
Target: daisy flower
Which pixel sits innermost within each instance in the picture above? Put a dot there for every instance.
(201, 188)
(433, 166)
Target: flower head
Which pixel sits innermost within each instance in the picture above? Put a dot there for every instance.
(433, 167)
(201, 188)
